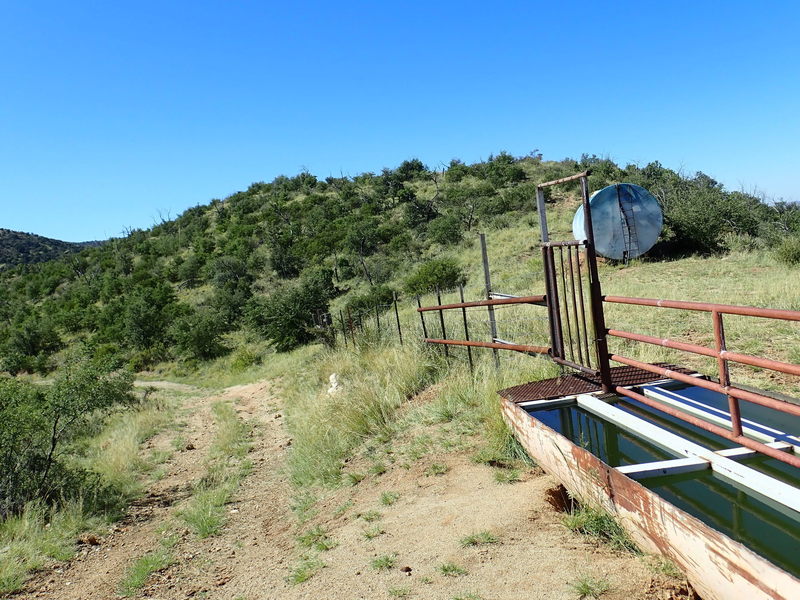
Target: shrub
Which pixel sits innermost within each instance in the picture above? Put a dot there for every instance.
(445, 230)
(443, 273)
(198, 334)
(788, 251)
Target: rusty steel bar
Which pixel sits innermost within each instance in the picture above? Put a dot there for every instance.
(566, 303)
(780, 455)
(745, 359)
(493, 345)
(397, 318)
(583, 309)
(573, 365)
(724, 373)
(575, 306)
(487, 279)
(728, 309)
(780, 405)
(566, 244)
(441, 320)
(344, 331)
(564, 179)
(422, 318)
(466, 329)
(537, 300)
(554, 311)
(595, 291)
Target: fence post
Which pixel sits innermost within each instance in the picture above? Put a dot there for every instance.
(422, 318)
(377, 318)
(397, 317)
(441, 320)
(344, 330)
(488, 280)
(724, 373)
(595, 293)
(466, 329)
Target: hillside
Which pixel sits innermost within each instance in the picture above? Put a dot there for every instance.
(264, 261)
(17, 248)
(217, 308)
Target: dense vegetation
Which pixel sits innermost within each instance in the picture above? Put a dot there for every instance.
(18, 248)
(269, 258)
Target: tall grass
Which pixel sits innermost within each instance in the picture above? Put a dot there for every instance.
(41, 534)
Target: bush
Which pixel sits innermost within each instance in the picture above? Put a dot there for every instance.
(445, 230)
(788, 251)
(36, 422)
(443, 273)
(198, 334)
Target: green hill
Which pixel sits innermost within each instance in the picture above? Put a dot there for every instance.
(263, 261)
(17, 248)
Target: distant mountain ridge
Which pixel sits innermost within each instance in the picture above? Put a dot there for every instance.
(18, 248)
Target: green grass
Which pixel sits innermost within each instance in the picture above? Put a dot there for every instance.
(452, 570)
(306, 568)
(468, 596)
(436, 469)
(389, 498)
(138, 574)
(205, 514)
(370, 516)
(399, 592)
(372, 532)
(318, 539)
(507, 475)
(478, 539)
(384, 563)
(600, 525)
(590, 587)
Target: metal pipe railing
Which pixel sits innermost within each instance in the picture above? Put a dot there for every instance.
(494, 345)
(539, 300)
(728, 309)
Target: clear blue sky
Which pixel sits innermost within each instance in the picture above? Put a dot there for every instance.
(113, 113)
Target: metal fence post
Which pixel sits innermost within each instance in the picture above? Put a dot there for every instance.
(422, 318)
(441, 321)
(488, 280)
(397, 317)
(466, 330)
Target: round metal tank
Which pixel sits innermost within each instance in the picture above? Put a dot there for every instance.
(627, 221)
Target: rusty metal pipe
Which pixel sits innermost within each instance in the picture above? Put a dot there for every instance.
(745, 359)
(572, 365)
(564, 179)
(780, 405)
(540, 300)
(728, 309)
(495, 345)
(788, 458)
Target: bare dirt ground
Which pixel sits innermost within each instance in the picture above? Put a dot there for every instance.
(535, 556)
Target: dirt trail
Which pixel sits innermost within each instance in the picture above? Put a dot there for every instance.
(534, 557)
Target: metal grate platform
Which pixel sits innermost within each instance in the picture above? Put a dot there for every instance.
(575, 383)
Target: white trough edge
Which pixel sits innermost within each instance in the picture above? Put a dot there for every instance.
(707, 413)
(766, 488)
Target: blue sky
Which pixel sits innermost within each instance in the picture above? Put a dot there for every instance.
(113, 114)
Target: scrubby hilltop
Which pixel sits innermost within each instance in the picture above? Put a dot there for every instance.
(266, 259)
(17, 248)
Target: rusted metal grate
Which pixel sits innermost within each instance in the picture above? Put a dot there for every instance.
(578, 383)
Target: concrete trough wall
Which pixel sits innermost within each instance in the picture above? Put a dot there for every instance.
(718, 567)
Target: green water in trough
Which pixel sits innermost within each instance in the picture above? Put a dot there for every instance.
(764, 528)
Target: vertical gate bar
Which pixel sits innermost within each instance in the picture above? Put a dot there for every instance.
(422, 318)
(566, 302)
(488, 281)
(583, 310)
(575, 305)
(441, 320)
(350, 322)
(724, 373)
(466, 329)
(552, 302)
(397, 317)
(595, 293)
(344, 331)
